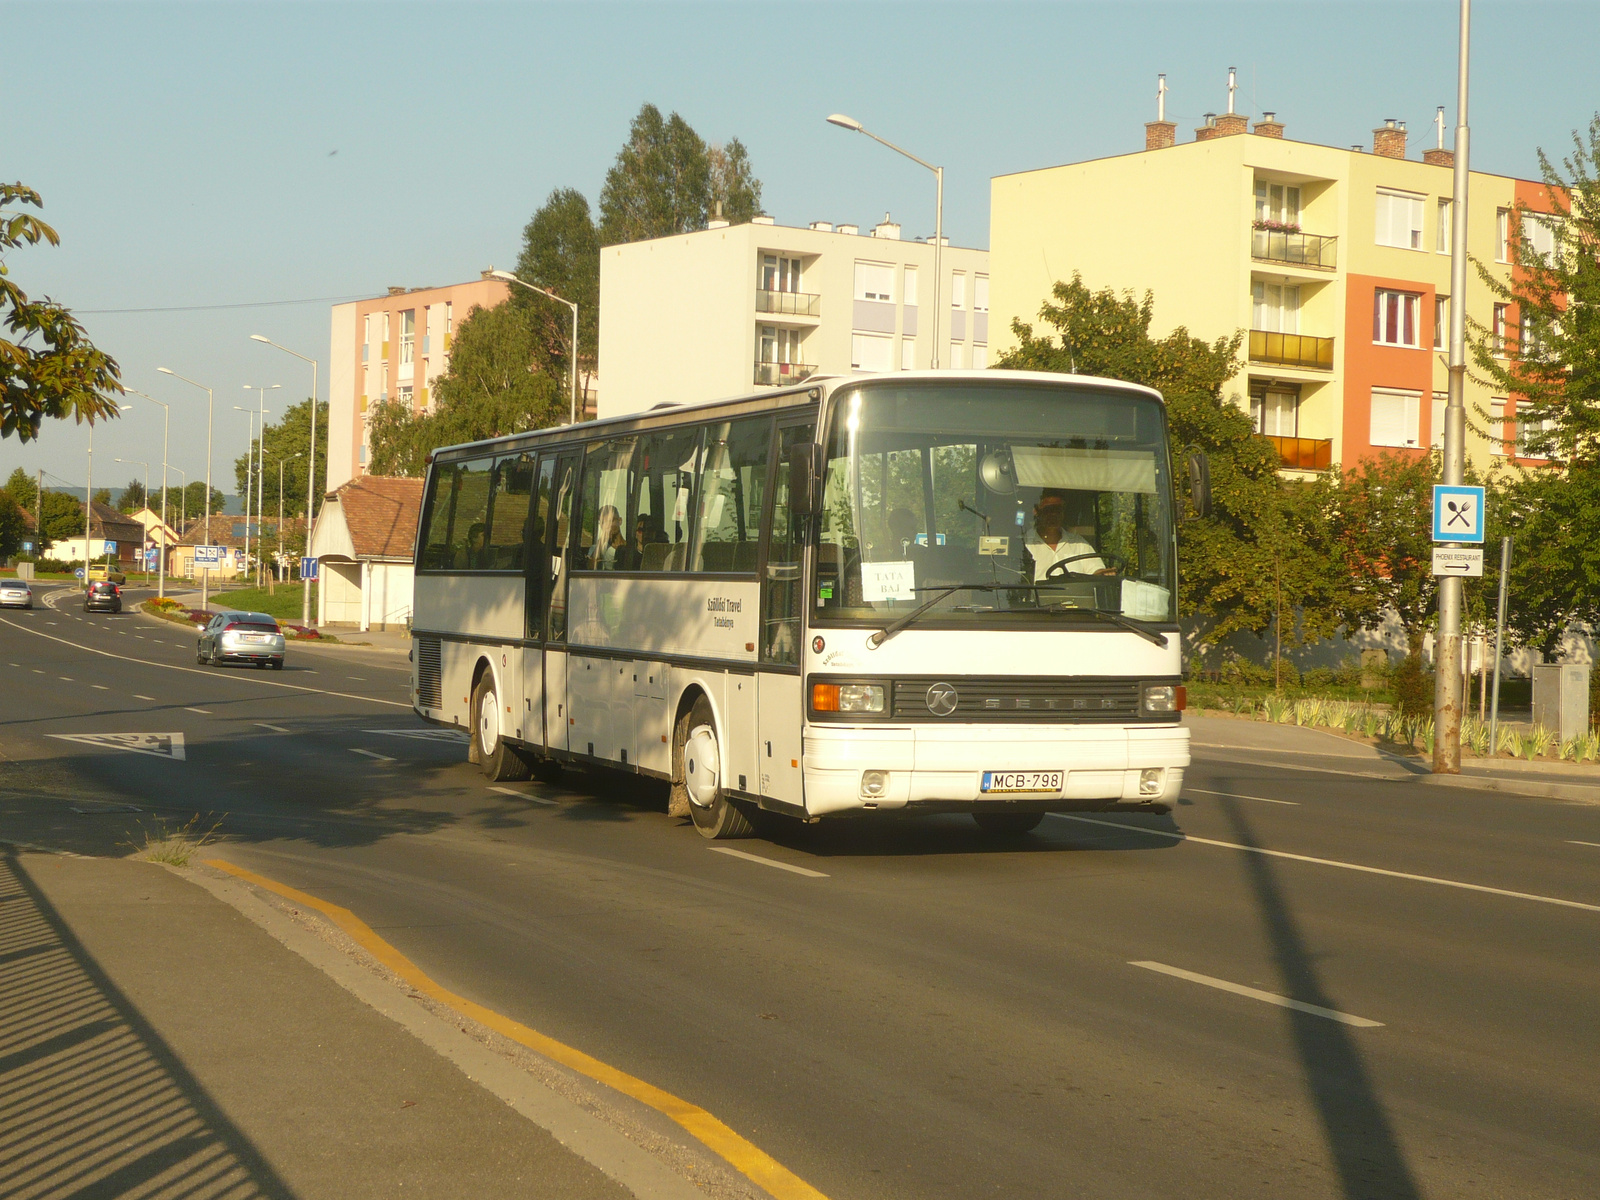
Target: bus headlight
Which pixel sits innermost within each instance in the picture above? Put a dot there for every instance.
(847, 697)
(1162, 698)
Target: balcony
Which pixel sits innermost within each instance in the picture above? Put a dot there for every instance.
(788, 304)
(1296, 249)
(1302, 454)
(1291, 350)
(781, 374)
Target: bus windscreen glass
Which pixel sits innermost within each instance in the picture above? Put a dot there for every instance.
(1049, 500)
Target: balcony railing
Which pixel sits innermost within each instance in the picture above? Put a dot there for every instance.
(779, 374)
(1291, 350)
(1303, 454)
(1297, 249)
(792, 304)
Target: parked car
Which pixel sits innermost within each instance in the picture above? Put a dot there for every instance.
(15, 593)
(241, 637)
(108, 574)
(102, 596)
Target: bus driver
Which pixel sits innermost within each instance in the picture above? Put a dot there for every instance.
(1051, 542)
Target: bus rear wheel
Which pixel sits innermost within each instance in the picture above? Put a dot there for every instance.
(1008, 822)
(697, 764)
(498, 760)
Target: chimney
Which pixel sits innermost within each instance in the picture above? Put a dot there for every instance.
(397, 291)
(1269, 125)
(886, 229)
(717, 220)
(1207, 131)
(1439, 156)
(850, 229)
(822, 226)
(1229, 124)
(1389, 139)
(761, 219)
(1160, 133)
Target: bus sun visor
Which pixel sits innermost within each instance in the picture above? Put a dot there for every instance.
(1085, 470)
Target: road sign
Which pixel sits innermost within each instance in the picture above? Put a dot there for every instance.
(208, 556)
(111, 548)
(308, 568)
(1457, 513)
(1458, 562)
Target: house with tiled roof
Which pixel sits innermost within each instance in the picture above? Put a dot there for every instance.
(108, 528)
(363, 541)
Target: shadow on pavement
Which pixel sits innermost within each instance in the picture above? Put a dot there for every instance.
(92, 1102)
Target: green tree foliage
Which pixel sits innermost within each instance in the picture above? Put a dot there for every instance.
(1555, 562)
(48, 366)
(133, 497)
(13, 526)
(281, 440)
(62, 517)
(491, 389)
(660, 183)
(561, 252)
(735, 190)
(191, 499)
(23, 488)
(103, 496)
(1553, 368)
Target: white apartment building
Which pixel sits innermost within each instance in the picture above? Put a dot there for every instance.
(391, 348)
(735, 308)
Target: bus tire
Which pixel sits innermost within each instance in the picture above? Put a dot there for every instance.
(1008, 822)
(499, 760)
(697, 762)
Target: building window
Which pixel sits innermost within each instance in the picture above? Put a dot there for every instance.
(1394, 318)
(1399, 219)
(980, 358)
(874, 281)
(871, 352)
(911, 287)
(908, 354)
(447, 325)
(1501, 330)
(1436, 428)
(1531, 435)
(780, 345)
(1277, 202)
(957, 356)
(1276, 411)
(1498, 432)
(1541, 232)
(779, 274)
(1442, 242)
(1394, 417)
(958, 289)
(980, 293)
(1275, 308)
(1502, 235)
(408, 336)
(403, 394)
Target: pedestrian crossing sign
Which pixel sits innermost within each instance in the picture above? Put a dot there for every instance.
(1457, 513)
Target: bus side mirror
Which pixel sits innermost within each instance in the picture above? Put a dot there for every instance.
(805, 479)
(1200, 483)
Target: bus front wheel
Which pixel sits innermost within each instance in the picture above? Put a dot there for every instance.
(697, 763)
(1007, 822)
(499, 760)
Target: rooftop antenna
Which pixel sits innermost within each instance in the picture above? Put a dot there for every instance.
(1438, 124)
(1232, 87)
(1161, 98)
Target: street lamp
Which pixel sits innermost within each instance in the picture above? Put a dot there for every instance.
(508, 277)
(134, 462)
(249, 474)
(88, 502)
(311, 473)
(261, 448)
(855, 126)
(281, 461)
(166, 422)
(205, 576)
(183, 499)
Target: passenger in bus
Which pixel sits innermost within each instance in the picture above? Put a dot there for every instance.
(647, 531)
(902, 534)
(608, 541)
(1052, 542)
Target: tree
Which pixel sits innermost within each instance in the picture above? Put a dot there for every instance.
(1554, 581)
(62, 518)
(50, 369)
(281, 440)
(23, 488)
(735, 190)
(1553, 364)
(13, 525)
(103, 496)
(133, 497)
(660, 183)
(192, 499)
(561, 252)
(490, 389)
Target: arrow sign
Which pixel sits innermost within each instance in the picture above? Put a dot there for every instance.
(162, 745)
(1458, 562)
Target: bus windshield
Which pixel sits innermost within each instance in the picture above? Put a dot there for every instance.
(1048, 502)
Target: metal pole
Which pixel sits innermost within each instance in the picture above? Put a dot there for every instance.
(574, 363)
(161, 578)
(1499, 641)
(938, 260)
(1447, 693)
(261, 470)
(311, 491)
(88, 507)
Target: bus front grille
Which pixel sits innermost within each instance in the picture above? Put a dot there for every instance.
(430, 674)
(1014, 698)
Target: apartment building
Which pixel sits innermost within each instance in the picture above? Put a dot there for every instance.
(390, 349)
(737, 308)
(1336, 261)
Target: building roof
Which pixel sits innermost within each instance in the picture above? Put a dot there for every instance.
(228, 529)
(381, 513)
(113, 525)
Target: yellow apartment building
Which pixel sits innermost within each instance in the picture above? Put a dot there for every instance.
(1336, 261)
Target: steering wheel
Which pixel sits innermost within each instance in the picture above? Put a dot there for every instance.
(1058, 569)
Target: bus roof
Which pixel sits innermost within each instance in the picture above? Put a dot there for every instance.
(813, 388)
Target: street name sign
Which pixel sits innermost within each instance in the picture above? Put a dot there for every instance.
(1447, 561)
(1457, 513)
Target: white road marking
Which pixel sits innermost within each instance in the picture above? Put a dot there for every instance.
(161, 745)
(360, 678)
(768, 862)
(274, 728)
(1236, 796)
(1331, 862)
(136, 696)
(99, 687)
(1238, 989)
(505, 791)
(37, 671)
(371, 754)
(204, 712)
(426, 735)
(1575, 842)
(64, 678)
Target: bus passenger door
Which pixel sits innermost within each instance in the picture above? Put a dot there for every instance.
(779, 711)
(537, 582)
(559, 555)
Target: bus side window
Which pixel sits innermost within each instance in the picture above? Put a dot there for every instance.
(441, 496)
(561, 549)
(733, 490)
(663, 500)
(608, 468)
(508, 512)
(469, 530)
(782, 587)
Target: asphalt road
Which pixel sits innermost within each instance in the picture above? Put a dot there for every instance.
(933, 1012)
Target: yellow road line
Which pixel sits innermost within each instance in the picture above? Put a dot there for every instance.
(748, 1159)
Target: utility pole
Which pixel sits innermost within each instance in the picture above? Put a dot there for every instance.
(38, 518)
(1447, 684)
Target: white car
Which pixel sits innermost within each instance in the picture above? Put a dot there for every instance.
(15, 593)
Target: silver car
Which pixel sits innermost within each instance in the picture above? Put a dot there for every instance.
(15, 593)
(241, 637)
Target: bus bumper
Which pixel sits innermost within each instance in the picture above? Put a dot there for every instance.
(942, 766)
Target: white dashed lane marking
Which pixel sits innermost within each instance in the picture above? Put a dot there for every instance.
(1238, 989)
(371, 754)
(505, 791)
(205, 712)
(136, 696)
(274, 728)
(768, 862)
(1237, 796)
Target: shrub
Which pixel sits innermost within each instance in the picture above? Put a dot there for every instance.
(1413, 688)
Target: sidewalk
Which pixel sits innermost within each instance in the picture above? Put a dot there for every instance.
(156, 1042)
(390, 640)
(1300, 748)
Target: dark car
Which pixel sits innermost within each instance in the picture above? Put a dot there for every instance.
(102, 596)
(241, 637)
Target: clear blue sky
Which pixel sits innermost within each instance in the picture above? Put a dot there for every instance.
(186, 152)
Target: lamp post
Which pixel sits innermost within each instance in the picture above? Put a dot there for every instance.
(166, 423)
(508, 277)
(205, 576)
(261, 466)
(855, 126)
(134, 462)
(281, 461)
(249, 478)
(311, 467)
(88, 501)
(183, 499)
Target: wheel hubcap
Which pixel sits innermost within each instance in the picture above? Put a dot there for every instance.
(489, 722)
(702, 768)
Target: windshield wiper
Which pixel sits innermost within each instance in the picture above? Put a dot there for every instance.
(1129, 623)
(939, 593)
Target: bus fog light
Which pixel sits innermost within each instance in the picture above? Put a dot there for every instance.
(1150, 781)
(874, 784)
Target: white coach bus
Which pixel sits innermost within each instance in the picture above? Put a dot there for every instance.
(927, 592)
